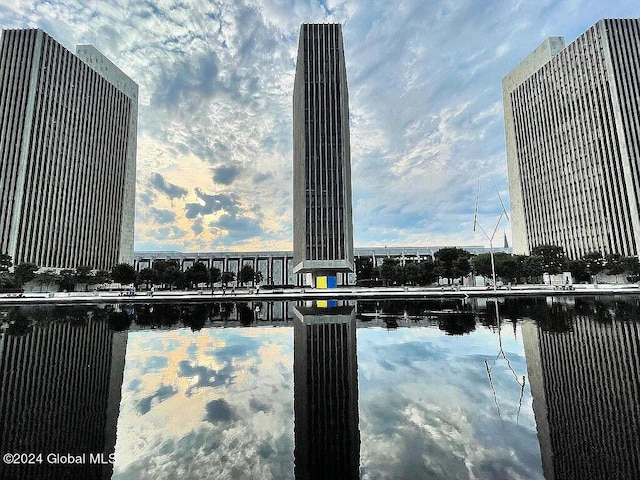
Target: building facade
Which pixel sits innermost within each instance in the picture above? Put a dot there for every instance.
(573, 142)
(322, 216)
(277, 267)
(68, 128)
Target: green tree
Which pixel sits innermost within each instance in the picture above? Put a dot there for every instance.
(148, 276)
(102, 276)
(6, 262)
(508, 267)
(595, 263)
(388, 270)
(8, 281)
(413, 273)
(246, 274)
(24, 272)
(400, 274)
(162, 269)
(453, 261)
(481, 264)
(613, 265)
(83, 276)
(67, 280)
(47, 277)
(553, 258)
(578, 269)
(364, 268)
(428, 273)
(227, 277)
(174, 277)
(196, 273)
(214, 275)
(258, 277)
(532, 267)
(461, 267)
(123, 273)
(632, 267)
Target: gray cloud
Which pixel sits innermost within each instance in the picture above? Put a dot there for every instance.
(169, 189)
(163, 392)
(218, 411)
(206, 377)
(163, 216)
(188, 81)
(197, 227)
(238, 225)
(226, 174)
(211, 204)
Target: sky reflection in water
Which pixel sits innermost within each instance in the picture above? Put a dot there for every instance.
(219, 403)
(557, 391)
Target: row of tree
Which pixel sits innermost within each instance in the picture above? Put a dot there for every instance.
(165, 273)
(168, 274)
(15, 277)
(448, 263)
(452, 263)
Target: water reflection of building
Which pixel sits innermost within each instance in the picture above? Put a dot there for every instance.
(586, 398)
(327, 437)
(60, 393)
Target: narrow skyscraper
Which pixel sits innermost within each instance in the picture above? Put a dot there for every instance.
(322, 217)
(68, 126)
(573, 142)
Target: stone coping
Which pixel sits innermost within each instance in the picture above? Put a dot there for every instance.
(342, 293)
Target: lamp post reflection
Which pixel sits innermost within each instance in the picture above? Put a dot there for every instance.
(327, 436)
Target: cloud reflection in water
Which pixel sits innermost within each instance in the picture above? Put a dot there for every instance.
(221, 406)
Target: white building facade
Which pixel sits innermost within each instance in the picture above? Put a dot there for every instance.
(573, 142)
(68, 126)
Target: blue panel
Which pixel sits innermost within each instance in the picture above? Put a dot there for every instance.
(332, 303)
(332, 282)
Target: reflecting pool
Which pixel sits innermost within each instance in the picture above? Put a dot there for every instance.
(523, 388)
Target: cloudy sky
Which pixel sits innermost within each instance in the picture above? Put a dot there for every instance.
(216, 80)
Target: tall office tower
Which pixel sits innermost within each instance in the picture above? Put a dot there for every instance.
(68, 128)
(325, 384)
(573, 142)
(322, 218)
(60, 392)
(586, 394)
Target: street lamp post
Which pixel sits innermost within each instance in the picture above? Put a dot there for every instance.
(495, 229)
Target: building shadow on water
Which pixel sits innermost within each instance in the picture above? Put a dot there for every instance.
(583, 362)
(61, 377)
(325, 372)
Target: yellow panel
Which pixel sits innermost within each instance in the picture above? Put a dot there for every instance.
(321, 303)
(321, 282)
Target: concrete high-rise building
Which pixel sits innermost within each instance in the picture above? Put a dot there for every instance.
(322, 216)
(573, 142)
(68, 126)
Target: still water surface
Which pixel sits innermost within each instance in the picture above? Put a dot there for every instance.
(528, 388)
